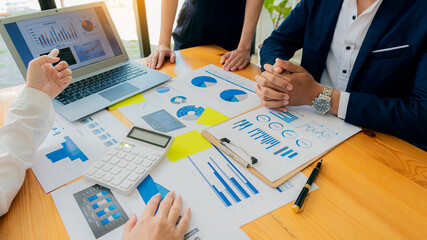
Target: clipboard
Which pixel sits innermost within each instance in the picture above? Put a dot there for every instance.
(347, 131)
(274, 184)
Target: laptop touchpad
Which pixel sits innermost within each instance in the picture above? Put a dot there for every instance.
(119, 91)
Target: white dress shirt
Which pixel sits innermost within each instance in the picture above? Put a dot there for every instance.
(349, 34)
(27, 124)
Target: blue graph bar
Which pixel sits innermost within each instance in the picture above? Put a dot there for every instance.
(266, 140)
(69, 149)
(246, 126)
(220, 195)
(250, 186)
(286, 153)
(55, 34)
(285, 186)
(285, 116)
(280, 150)
(232, 180)
(292, 155)
(227, 187)
(272, 145)
(240, 123)
(243, 120)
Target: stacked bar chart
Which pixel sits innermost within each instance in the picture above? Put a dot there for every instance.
(285, 116)
(53, 33)
(101, 209)
(99, 131)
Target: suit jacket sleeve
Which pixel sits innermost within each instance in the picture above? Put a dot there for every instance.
(288, 37)
(395, 116)
(27, 124)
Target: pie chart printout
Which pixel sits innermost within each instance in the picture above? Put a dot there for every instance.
(233, 95)
(203, 81)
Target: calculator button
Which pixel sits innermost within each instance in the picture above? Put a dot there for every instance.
(135, 153)
(107, 167)
(123, 174)
(99, 174)
(146, 163)
(156, 154)
(107, 178)
(115, 171)
(117, 180)
(113, 152)
(127, 150)
(90, 171)
(133, 177)
(140, 170)
(131, 167)
(106, 158)
(138, 160)
(122, 164)
(126, 184)
(129, 158)
(114, 161)
(98, 164)
(121, 155)
(143, 155)
(151, 158)
(118, 147)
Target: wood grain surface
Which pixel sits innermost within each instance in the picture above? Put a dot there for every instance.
(372, 186)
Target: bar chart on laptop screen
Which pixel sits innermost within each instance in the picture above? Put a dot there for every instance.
(53, 33)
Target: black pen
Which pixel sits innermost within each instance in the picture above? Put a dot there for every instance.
(302, 197)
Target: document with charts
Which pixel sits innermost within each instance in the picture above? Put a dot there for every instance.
(283, 141)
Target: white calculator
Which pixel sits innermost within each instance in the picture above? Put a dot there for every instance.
(126, 164)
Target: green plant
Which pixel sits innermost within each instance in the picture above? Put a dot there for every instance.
(278, 10)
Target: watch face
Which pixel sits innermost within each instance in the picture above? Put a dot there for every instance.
(321, 105)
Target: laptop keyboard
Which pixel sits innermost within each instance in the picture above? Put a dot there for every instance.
(99, 82)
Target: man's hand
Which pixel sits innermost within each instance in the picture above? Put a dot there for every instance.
(237, 59)
(156, 58)
(42, 75)
(163, 224)
(287, 80)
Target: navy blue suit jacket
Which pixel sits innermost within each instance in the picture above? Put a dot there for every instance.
(388, 90)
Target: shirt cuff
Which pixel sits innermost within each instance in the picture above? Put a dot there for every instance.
(342, 106)
(34, 97)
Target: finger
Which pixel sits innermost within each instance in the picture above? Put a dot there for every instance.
(64, 73)
(175, 210)
(130, 224)
(61, 65)
(237, 64)
(228, 61)
(270, 94)
(231, 62)
(172, 57)
(271, 103)
(149, 60)
(244, 64)
(161, 58)
(154, 60)
(283, 109)
(166, 204)
(288, 66)
(54, 53)
(64, 82)
(151, 207)
(225, 57)
(264, 82)
(282, 82)
(184, 222)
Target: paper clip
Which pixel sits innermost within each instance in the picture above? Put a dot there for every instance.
(225, 141)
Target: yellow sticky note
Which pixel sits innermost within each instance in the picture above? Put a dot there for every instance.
(138, 98)
(187, 144)
(211, 117)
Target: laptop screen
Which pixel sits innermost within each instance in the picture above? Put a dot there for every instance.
(83, 37)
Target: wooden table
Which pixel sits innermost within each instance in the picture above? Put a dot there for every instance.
(371, 187)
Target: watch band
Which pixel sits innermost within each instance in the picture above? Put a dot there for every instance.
(327, 91)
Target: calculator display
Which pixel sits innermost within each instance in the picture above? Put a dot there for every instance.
(149, 137)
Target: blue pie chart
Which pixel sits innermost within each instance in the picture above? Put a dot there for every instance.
(203, 81)
(233, 95)
(178, 100)
(163, 89)
(190, 113)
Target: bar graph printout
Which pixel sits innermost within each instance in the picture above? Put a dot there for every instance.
(71, 147)
(283, 141)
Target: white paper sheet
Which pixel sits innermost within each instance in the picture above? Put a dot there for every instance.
(283, 141)
(85, 141)
(184, 98)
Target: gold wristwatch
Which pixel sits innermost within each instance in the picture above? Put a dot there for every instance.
(322, 103)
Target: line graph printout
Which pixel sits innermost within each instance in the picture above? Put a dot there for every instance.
(283, 141)
(71, 147)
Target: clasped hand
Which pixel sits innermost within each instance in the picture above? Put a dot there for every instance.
(286, 84)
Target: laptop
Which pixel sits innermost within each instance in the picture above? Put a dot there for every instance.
(88, 41)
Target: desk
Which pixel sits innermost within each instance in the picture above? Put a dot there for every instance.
(371, 187)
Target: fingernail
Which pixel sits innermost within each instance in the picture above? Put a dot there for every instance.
(286, 97)
(285, 103)
(289, 87)
(60, 75)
